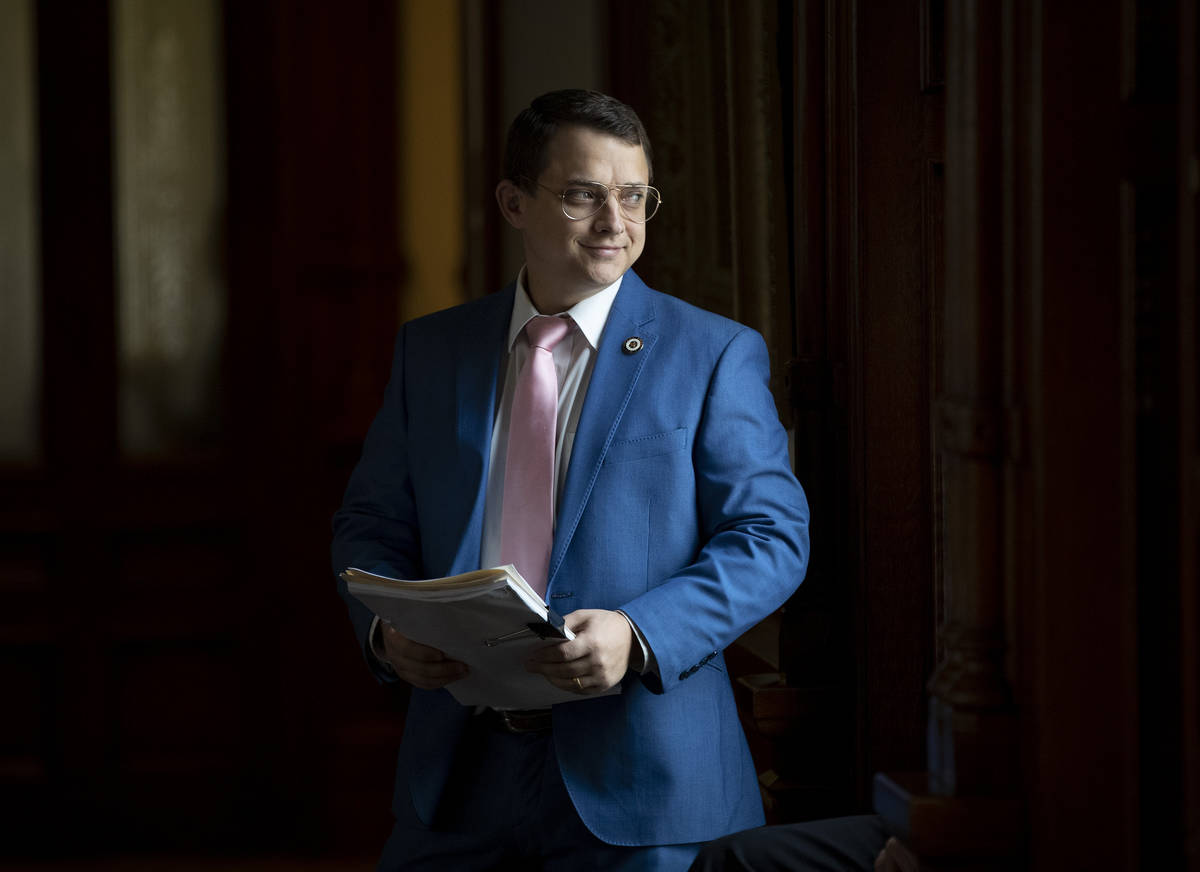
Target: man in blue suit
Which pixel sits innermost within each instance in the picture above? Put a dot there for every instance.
(677, 525)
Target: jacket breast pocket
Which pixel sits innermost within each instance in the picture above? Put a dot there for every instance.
(641, 447)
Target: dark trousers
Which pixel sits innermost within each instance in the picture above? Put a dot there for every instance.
(507, 808)
(833, 845)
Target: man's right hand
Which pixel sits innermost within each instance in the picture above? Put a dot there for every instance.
(419, 665)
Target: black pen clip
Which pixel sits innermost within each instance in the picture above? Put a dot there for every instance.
(551, 628)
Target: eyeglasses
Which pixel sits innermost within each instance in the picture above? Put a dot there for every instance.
(580, 200)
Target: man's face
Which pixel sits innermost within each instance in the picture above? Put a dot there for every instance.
(568, 261)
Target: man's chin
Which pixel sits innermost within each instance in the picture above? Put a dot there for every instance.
(605, 273)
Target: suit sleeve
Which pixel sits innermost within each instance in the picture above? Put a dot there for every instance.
(376, 528)
(754, 523)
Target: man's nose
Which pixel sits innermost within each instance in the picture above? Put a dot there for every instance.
(609, 218)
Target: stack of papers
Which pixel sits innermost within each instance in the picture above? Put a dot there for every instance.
(490, 619)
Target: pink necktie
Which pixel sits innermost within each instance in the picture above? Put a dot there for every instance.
(526, 522)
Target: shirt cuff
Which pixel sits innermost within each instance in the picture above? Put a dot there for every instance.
(375, 646)
(646, 663)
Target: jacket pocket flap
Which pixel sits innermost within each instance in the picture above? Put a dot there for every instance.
(640, 447)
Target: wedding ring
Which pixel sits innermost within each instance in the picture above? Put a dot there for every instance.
(578, 684)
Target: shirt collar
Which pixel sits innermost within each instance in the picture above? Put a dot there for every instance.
(589, 314)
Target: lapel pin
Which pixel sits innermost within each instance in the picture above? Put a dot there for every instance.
(632, 345)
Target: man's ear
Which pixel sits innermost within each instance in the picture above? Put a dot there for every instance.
(512, 203)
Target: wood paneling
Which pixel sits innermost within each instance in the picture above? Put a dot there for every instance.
(1059, 541)
(173, 655)
(900, 115)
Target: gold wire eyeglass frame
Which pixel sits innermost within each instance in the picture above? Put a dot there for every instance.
(608, 189)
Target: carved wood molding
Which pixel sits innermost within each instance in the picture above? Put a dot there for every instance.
(980, 431)
(937, 827)
(970, 430)
(971, 677)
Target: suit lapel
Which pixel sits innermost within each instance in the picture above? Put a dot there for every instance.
(480, 352)
(614, 378)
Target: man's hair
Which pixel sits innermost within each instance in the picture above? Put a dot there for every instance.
(529, 136)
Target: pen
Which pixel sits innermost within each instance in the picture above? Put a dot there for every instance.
(523, 633)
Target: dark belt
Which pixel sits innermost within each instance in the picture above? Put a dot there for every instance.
(519, 720)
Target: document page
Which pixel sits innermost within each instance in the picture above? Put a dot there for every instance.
(489, 623)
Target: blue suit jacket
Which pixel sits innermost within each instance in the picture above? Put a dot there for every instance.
(679, 508)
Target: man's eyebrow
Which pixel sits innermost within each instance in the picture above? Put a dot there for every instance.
(582, 181)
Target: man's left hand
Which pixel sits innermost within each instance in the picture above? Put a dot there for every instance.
(594, 660)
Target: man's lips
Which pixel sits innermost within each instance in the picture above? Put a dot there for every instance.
(602, 247)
